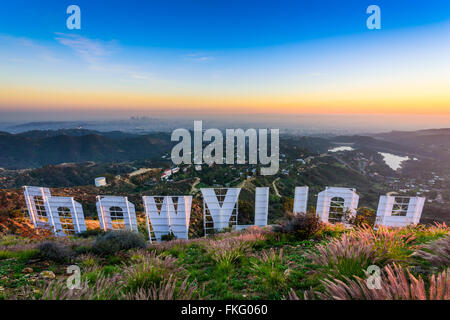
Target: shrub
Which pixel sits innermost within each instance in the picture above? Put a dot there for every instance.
(91, 233)
(302, 226)
(114, 241)
(87, 260)
(110, 270)
(116, 259)
(364, 216)
(142, 229)
(168, 237)
(82, 250)
(54, 251)
(331, 230)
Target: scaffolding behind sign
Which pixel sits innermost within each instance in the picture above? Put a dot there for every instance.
(220, 209)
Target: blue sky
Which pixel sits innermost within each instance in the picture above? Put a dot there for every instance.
(214, 24)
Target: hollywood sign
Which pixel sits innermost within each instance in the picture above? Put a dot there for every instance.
(171, 214)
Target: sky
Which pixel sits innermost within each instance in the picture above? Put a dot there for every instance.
(235, 57)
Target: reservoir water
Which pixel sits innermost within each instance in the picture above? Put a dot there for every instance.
(342, 148)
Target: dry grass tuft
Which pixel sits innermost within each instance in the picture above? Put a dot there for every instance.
(436, 252)
(166, 290)
(396, 284)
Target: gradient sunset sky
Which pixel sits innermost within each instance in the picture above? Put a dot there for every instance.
(217, 56)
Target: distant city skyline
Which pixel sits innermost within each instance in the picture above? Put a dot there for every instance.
(306, 124)
(217, 58)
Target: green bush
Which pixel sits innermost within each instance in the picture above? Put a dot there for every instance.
(54, 251)
(271, 271)
(168, 237)
(23, 255)
(91, 233)
(110, 270)
(4, 254)
(115, 259)
(114, 241)
(151, 271)
(82, 250)
(144, 279)
(364, 216)
(301, 226)
(331, 231)
(11, 240)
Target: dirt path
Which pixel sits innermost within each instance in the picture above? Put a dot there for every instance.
(391, 193)
(275, 187)
(196, 182)
(243, 183)
(141, 171)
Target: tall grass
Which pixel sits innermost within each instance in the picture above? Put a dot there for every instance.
(396, 284)
(104, 288)
(153, 277)
(150, 272)
(166, 290)
(345, 257)
(228, 251)
(437, 253)
(393, 243)
(23, 255)
(271, 269)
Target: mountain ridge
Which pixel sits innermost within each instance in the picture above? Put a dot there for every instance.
(36, 149)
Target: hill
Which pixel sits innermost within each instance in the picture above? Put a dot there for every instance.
(39, 148)
(372, 143)
(434, 142)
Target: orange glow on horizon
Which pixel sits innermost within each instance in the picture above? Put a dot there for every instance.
(357, 101)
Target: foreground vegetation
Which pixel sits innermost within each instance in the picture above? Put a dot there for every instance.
(300, 259)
